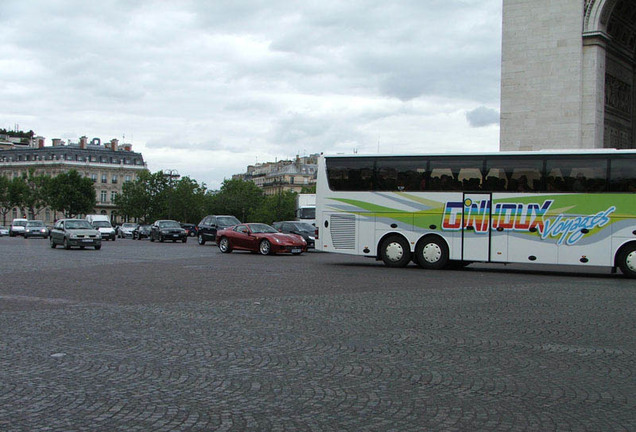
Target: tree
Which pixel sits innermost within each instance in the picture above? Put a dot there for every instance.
(18, 192)
(278, 207)
(187, 200)
(240, 198)
(5, 198)
(35, 197)
(72, 194)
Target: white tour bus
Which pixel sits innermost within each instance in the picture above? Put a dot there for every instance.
(568, 207)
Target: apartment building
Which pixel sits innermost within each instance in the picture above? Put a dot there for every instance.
(108, 165)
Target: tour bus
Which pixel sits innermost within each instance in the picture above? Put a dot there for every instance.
(568, 207)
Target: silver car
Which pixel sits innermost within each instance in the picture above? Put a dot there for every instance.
(35, 228)
(75, 232)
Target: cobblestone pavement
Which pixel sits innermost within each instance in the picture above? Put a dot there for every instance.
(159, 337)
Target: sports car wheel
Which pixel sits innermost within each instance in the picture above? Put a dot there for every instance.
(66, 245)
(265, 248)
(53, 245)
(224, 245)
(98, 247)
(185, 239)
(201, 239)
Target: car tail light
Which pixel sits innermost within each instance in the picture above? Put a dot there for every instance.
(316, 234)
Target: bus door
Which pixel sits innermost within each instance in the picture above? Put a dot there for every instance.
(476, 227)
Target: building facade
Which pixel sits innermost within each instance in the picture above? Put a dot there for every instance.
(281, 176)
(568, 74)
(109, 166)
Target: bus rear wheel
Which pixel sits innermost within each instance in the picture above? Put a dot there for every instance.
(395, 251)
(431, 253)
(627, 261)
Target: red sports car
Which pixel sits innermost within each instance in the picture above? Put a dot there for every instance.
(258, 237)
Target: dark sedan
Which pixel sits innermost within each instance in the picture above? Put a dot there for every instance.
(163, 230)
(307, 231)
(141, 231)
(262, 238)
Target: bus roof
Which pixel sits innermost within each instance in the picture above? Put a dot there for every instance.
(547, 152)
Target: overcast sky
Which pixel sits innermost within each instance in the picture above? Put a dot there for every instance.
(209, 87)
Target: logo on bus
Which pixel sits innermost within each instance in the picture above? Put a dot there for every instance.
(521, 218)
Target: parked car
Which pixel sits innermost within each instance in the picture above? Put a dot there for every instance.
(141, 231)
(17, 227)
(258, 237)
(209, 225)
(35, 228)
(4, 231)
(303, 229)
(106, 229)
(75, 233)
(126, 230)
(167, 230)
(191, 229)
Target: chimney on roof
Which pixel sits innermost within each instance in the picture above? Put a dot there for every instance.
(57, 142)
(126, 147)
(113, 144)
(40, 142)
(83, 142)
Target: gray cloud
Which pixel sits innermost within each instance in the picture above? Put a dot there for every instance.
(482, 116)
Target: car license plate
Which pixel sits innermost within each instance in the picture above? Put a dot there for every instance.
(175, 235)
(296, 250)
(87, 241)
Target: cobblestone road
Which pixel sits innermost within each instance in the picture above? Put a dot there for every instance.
(163, 337)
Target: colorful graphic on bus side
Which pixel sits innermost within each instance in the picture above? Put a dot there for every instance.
(520, 217)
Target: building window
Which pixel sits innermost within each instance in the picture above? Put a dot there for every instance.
(113, 194)
(104, 178)
(127, 178)
(102, 197)
(114, 179)
(94, 178)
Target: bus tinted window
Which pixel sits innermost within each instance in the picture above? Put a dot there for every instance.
(576, 174)
(623, 175)
(400, 174)
(350, 174)
(455, 173)
(514, 175)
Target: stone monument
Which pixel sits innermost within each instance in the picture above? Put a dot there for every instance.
(568, 74)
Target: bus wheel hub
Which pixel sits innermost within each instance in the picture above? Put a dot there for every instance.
(630, 260)
(432, 252)
(394, 251)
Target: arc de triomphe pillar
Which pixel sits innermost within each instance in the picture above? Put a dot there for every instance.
(568, 74)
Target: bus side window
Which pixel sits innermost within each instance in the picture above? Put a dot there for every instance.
(623, 175)
(514, 175)
(577, 174)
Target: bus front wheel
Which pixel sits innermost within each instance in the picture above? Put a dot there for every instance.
(395, 251)
(627, 261)
(431, 253)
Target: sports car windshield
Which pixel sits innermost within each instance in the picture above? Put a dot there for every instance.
(35, 224)
(79, 224)
(262, 229)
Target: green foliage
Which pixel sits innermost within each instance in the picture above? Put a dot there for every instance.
(278, 207)
(5, 198)
(308, 189)
(157, 196)
(240, 198)
(71, 194)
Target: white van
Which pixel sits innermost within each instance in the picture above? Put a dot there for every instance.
(102, 224)
(17, 227)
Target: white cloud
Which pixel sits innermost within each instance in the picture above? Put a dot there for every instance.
(235, 82)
